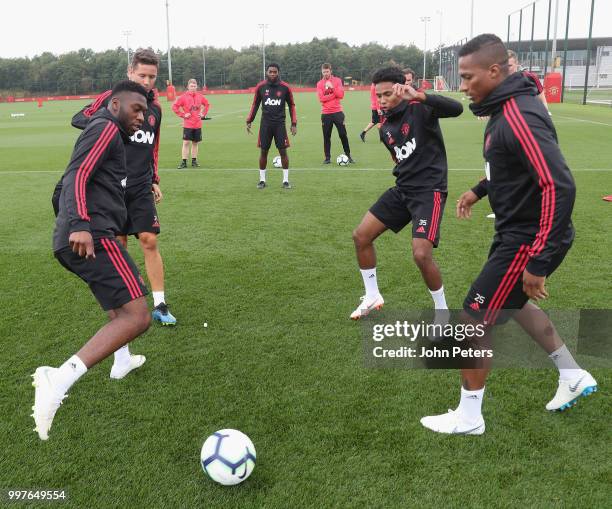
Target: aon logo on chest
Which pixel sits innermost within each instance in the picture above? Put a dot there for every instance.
(143, 137)
(405, 151)
(272, 102)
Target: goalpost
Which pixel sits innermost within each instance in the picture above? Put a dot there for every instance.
(437, 83)
(600, 85)
(440, 84)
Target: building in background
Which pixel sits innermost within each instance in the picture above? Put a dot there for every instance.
(539, 59)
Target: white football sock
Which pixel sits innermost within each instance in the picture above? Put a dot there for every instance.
(470, 404)
(158, 298)
(262, 175)
(567, 366)
(285, 175)
(439, 298)
(122, 356)
(68, 373)
(370, 282)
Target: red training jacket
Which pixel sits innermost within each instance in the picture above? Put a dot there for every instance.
(330, 97)
(192, 103)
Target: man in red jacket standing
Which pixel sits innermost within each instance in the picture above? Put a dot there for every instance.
(192, 107)
(331, 92)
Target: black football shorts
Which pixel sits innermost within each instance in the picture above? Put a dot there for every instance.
(192, 134)
(396, 208)
(498, 289)
(141, 211)
(269, 131)
(112, 275)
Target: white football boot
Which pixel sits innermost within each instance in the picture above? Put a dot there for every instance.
(569, 391)
(118, 372)
(47, 399)
(452, 423)
(367, 305)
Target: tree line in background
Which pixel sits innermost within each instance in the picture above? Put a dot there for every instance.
(86, 72)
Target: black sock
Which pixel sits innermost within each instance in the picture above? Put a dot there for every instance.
(184, 161)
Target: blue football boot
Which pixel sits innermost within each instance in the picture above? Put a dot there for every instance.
(162, 314)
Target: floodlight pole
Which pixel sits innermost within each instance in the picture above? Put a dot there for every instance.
(127, 34)
(532, 32)
(440, 57)
(588, 54)
(547, 39)
(508, 37)
(567, 20)
(553, 54)
(472, 21)
(425, 20)
(168, 37)
(518, 47)
(263, 27)
(204, 66)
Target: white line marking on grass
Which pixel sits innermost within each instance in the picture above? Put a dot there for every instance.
(205, 170)
(388, 170)
(581, 120)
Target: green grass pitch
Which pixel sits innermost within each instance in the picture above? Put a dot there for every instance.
(274, 276)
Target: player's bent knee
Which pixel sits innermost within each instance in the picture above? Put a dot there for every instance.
(137, 313)
(140, 315)
(148, 241)
(422, 257)
(360, 238)
(146, 320)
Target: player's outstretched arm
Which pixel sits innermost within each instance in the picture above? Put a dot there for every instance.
(442, 106)
(81, 118)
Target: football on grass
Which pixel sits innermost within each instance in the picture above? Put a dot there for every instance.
(342, 160)
(228, 457)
